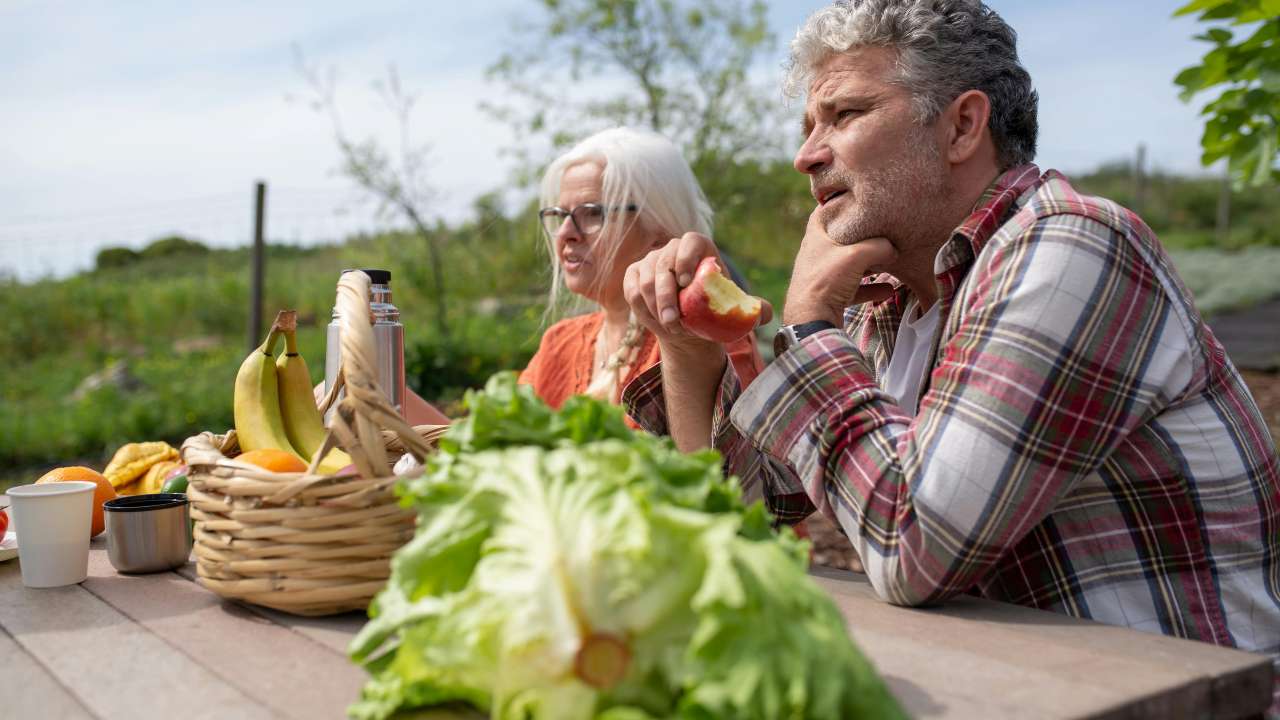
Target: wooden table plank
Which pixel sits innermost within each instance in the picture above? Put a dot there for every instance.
(27, 690)
(1011, 661)
(294, 676)
(332, 631)
(114, 667)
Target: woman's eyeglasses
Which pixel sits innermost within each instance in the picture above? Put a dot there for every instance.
(587, 218)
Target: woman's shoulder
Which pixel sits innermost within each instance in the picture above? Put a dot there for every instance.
(564, 354)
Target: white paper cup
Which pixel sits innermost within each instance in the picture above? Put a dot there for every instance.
(52, 523)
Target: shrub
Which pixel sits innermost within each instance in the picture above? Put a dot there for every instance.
(114, 257)
(442, 370)
(173, 245)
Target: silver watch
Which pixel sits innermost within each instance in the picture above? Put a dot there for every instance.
(788, 336)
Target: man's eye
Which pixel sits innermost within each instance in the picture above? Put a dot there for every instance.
(845, 114)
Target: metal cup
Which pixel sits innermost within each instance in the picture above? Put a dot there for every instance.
(148, 533)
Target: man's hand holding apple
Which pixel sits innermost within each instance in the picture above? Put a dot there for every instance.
(827, 276)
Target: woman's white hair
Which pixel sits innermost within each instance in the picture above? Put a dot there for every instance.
(640, 168)
(945, 47)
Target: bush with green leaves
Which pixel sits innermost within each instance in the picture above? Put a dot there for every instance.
(443, 369)
(1243, 122)
(174, 245)
(115, 257)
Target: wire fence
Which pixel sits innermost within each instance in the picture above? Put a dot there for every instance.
(43, 246)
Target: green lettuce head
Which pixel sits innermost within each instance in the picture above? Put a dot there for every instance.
(566, 568)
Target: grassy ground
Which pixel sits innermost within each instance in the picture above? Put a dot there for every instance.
(1222, 281)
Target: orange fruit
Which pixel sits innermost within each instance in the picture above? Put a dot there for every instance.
(101, 494)
(274, 460)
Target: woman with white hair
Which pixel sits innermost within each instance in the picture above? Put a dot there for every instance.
(605, 204)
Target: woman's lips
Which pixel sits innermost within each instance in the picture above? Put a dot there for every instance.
(573, 264)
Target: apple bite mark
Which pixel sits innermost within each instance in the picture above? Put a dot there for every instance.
(713, 307)
(726, 297)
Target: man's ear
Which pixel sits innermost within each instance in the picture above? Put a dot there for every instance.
(966, 128)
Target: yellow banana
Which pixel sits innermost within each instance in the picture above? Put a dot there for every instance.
(257, 398)
(302, 420)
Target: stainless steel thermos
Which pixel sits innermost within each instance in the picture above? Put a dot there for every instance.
(388, 335)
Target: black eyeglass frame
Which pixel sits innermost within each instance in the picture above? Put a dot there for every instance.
(560, 213)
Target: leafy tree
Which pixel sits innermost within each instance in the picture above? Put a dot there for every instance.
(1243, 122)
(394, 177)
(685, 69)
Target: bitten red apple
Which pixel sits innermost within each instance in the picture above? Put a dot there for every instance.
(714, 308)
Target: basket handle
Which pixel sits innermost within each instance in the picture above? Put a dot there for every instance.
(364, 410)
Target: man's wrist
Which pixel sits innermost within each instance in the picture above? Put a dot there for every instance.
(803, 312)
(788, 336)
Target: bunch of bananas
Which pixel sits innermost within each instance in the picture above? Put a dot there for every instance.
(274, 403)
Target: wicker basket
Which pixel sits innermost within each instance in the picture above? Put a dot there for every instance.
(306, 543)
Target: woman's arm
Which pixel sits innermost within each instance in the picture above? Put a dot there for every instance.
(420, 412)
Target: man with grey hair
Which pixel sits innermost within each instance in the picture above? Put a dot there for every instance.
(993, 383)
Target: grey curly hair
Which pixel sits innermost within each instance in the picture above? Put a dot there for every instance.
(945, 48)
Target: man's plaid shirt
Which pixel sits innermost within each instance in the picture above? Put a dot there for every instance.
(1083, 444)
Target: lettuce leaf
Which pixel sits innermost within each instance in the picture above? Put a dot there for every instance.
(567, 568)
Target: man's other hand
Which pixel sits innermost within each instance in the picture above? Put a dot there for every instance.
(827, 277)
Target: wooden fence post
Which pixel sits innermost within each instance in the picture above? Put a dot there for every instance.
(1140, 179)
(258, 268)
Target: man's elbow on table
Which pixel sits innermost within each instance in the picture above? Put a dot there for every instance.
(906, 585)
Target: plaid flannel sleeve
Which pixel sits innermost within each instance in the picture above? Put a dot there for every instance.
(759, 474)
(1060, 350)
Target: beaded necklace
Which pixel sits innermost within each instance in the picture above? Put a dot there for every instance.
(611, 367)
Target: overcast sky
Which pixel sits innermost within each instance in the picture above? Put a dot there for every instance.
(124, 121)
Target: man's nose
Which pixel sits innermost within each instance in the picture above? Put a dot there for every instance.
(813, 155)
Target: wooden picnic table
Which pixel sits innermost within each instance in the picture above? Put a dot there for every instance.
(161, 646)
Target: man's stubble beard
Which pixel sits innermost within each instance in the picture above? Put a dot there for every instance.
(897, 201)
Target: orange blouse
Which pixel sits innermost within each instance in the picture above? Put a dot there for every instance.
(562, 366)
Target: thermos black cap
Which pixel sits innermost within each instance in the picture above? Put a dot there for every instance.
(377, 277)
